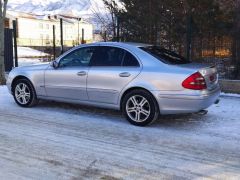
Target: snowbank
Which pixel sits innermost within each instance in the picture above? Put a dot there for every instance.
(30, 61)
(230, 95)
(29, 52)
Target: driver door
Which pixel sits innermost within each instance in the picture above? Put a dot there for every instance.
(69, 80)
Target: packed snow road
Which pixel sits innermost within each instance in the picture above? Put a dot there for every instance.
(60, 141)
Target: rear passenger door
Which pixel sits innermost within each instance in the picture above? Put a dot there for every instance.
(111, 69)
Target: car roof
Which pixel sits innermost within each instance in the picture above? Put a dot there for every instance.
(133, 44)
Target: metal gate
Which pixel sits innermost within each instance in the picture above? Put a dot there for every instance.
(8, 49)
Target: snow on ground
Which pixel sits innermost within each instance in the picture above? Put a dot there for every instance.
(30, 61)
(29, 52)
(230, 95)
(62, 141)
(28, 56)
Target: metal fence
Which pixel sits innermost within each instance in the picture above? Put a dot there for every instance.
(47, 42)
(215, 51)
(225, 67)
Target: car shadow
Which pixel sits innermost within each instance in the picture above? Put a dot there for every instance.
(80, 109)
(166, 121)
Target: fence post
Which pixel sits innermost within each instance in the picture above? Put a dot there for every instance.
(15, 42)
(83, 36)
(105, 36)
(54, 43)
(79, 19)
(189, 36)
(61, 33)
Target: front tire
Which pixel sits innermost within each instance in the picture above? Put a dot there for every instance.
(140, 108)
(24, 93)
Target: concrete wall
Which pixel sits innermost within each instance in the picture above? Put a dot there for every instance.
(230, 86)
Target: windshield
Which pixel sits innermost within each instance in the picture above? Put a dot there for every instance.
(164, 55)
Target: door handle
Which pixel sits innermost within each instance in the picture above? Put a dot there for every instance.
(82, 73)
(125, 74)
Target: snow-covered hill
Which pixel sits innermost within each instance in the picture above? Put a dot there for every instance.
(83, 8)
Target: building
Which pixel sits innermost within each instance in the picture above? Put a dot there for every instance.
(37, 30)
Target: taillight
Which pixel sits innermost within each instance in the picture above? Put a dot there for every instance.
(196, 82)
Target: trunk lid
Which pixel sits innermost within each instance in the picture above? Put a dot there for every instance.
(209, 73)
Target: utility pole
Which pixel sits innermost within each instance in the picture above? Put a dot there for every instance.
(61, 34)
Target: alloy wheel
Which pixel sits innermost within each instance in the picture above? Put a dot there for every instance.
(138, 108)
(22, 93)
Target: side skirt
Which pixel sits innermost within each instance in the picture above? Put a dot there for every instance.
(88, 103)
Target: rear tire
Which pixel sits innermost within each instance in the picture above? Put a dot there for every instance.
(24, 93)
(140, 108)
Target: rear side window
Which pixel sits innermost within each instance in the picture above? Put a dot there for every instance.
(130, 60)
(113, 56)
(164, 55)
(108, 56)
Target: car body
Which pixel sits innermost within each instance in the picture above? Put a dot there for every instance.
(78, 76)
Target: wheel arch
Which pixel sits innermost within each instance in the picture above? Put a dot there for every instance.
(19, 77)
(135, 88)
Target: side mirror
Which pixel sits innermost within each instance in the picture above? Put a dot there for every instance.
(54, 64)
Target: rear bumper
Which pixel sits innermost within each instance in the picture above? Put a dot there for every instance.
(183, 103)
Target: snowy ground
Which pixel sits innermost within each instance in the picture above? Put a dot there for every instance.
(28, 56)
(24, 52)
(61, 141)
(30, 61)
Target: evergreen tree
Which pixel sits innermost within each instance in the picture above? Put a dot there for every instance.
(201, 26)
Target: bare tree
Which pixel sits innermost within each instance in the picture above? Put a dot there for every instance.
(107, 18)
(113, 9)
(3, 10)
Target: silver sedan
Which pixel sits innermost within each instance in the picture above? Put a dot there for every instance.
(143, 81)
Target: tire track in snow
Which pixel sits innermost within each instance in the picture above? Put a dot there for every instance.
(128, 148)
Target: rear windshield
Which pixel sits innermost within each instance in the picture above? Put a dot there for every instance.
(164, 55)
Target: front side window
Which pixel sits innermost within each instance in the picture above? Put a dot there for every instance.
(79, 57)
(164, 55)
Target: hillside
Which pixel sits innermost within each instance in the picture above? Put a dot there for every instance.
(83, 8)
